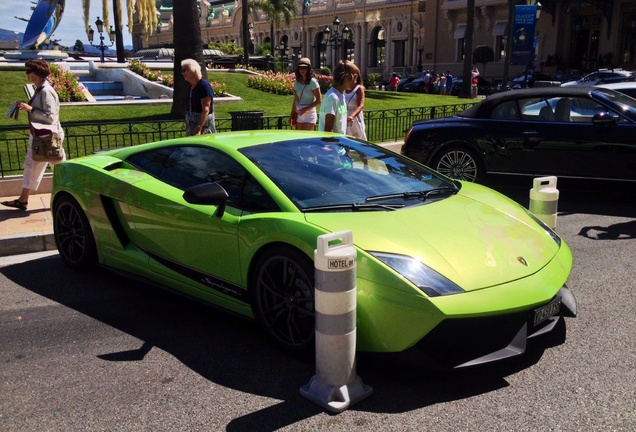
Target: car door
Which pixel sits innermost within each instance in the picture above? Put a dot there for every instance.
(192, 241)
(505, 127)
(569, 144)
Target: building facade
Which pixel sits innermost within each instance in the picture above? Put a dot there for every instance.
(405, 36)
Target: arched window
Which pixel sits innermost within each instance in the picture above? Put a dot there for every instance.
(378, 48)
(320, 54)
(349, 45)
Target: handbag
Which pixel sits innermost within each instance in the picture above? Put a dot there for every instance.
(46, 148)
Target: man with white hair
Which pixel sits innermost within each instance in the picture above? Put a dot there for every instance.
(200, 115)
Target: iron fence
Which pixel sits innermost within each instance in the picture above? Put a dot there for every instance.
(85, 138)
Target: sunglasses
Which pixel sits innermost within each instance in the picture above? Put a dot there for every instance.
(303, 67)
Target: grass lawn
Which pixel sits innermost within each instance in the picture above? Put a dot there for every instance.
(12, 82)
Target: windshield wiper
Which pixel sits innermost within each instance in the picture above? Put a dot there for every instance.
(353, 207)
(421, 195)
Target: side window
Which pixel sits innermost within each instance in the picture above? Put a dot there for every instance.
(506, 111)
(582, 110)
(537, 109)
(186, 166)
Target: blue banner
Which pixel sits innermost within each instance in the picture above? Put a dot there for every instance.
(523, 41)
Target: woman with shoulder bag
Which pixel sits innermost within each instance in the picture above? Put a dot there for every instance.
(355, 105)
(307, 98)
(47, 135)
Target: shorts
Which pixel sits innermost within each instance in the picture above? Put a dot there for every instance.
(309, 117)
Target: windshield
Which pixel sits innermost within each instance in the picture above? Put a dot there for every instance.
(343, 174)
(623, 103)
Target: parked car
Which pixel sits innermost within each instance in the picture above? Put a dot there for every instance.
(602, 74)
(233, 219)
(565, 131)
(412, 84)
(625, 87)
(530, 79)
(484, 87)
(404, 81)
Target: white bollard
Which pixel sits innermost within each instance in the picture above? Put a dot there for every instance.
(335, 386)
(544, 199)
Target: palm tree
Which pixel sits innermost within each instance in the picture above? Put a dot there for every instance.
(275, 11)
(187, 42)
(468, 49)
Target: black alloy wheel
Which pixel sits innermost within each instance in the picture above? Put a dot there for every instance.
(73, 235)
(283, 298)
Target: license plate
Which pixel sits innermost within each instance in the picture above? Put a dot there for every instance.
(544, 312)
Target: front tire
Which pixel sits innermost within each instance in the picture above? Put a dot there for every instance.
(283, 297)
(460, 163)
(73, 234)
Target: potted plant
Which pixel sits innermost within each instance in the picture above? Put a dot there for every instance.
(373, 79)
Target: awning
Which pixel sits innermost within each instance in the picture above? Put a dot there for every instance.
(500, 29)
(460, 32)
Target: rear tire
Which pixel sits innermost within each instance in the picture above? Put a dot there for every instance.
(282, 289)
(73, 234)
(460, 163)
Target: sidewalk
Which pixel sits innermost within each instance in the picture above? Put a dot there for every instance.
(23, 232)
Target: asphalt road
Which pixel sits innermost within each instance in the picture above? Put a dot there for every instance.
(99, 352)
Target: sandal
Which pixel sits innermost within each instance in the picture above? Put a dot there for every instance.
(15, 204)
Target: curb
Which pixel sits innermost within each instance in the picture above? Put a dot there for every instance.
(19, 244)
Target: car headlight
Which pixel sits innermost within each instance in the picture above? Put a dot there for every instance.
(419, 274)
(546, 228)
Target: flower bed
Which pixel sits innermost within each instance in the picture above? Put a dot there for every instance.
(140, 68)
(282, 83)
(65, 84)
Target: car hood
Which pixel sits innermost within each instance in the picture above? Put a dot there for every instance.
(475, 243)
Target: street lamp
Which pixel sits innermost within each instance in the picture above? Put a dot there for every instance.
(420, 48)
(100, 29)
(281, 47)
(338, 37)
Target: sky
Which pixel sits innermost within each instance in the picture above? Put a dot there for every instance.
(71, 26)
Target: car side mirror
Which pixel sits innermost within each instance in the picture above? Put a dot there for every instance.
(604, 120)
(207, 194)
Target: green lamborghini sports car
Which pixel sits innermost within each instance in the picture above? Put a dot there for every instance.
(452, 268)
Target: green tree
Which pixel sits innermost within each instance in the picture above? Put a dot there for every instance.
(229, 48)
(79, 46)
(276, 10)
(483, 54)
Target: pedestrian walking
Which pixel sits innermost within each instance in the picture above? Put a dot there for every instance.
(333, 110)
(200, 116)
(45, 130)
(355, 106)
(474, 82)
(449, 83)
(307, 97)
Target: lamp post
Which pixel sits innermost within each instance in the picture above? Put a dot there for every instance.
(281, 48)
(420, 49)
(100, 29)
(336, 39)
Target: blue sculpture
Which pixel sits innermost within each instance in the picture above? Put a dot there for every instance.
(43, 22)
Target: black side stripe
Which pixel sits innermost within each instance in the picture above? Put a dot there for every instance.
(220, 285)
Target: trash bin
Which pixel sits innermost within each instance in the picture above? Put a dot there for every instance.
(247, 120)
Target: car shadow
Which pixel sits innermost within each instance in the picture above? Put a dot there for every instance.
(234, 352)
(589, 196)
